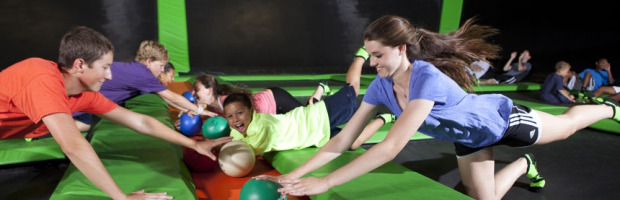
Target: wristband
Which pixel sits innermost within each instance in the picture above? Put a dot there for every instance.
(362, 53)
(387, 118)
(199, 110)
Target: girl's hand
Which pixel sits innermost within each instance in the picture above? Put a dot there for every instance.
(304, 187)
(177, 124)
(208, 113)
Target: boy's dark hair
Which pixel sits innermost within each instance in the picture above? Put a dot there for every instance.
(168, 67)
(243, 98)
(82, 42)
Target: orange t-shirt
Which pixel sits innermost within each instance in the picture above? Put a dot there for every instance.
(34, 88)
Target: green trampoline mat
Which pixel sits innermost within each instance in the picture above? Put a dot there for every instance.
(298, 85)
(134, 161)
(389, 181)
(13, 151)
(383, 131)
(504, 87)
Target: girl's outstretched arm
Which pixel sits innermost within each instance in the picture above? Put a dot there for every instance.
(337, 144)
(402, 130)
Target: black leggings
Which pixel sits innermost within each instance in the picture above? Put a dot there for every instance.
(284, 101)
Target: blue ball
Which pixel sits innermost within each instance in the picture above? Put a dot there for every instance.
(188, 95)
(190, 126)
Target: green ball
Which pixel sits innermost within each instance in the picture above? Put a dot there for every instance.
(260, 190)
(215, 127)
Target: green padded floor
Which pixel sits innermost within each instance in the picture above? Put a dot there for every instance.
(383, 131)
(13, 151)
(134, 161)
(291, 82)
(390, 181)
(504, 87)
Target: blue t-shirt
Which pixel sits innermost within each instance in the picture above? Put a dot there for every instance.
(600, 77)
(469, 119)
(130, 79)
(549, 92)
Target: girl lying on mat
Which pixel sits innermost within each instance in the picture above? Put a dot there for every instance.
(273, 100)
(302, 127)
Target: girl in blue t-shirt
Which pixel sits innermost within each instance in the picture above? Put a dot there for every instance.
(420, 77)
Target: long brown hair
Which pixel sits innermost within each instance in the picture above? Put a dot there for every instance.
(209, 81)
(450, 52)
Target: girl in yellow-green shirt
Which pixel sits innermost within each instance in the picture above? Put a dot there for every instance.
(302, 127)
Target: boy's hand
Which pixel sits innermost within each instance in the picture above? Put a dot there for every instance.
(177, 124)
(143, 195)
(205, 147)
(513, 55)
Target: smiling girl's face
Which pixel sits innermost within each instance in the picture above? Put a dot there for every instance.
(238, 116)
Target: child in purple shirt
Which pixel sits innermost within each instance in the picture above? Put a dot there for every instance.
(131, 79)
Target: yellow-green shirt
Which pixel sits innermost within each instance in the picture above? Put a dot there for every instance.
(299, 128)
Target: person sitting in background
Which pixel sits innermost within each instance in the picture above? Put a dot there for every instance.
(572, 81)
(552, 90)
(479, 70)
(592, 79)
(517, 70)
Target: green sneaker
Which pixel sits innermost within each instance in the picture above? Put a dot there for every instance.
(387, 117)
(326, 88)
(581, 95)
(615, 105)
(537, 181)
(597, 100)
(581, 98)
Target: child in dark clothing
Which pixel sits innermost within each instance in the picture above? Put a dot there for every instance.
(553, 90)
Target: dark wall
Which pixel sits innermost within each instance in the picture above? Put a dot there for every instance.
(33, 28)
(577, 32)
(283, 36)
(308, 36)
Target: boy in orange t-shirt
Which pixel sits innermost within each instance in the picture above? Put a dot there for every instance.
(36, 92)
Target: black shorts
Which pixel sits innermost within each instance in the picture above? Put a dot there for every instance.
(523, 130)
(284, 101)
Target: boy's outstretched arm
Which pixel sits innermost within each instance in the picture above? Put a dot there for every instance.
(150, 126)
